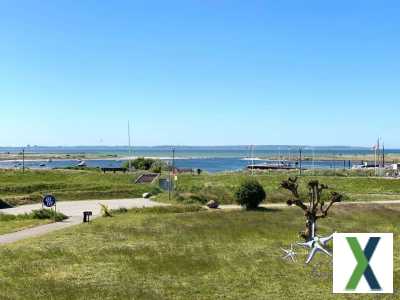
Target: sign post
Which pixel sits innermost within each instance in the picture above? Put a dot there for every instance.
(50, 201)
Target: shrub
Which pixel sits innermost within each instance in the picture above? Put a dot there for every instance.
(140, 163)
(120, 210)
(146, 164)
(48, 214)
(200, 198)
(157, 166)
(250, 194)
(155, 190)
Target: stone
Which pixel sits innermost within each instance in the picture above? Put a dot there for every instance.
(212, 204)
(146, 195)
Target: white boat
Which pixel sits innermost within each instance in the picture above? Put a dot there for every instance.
(82, 164)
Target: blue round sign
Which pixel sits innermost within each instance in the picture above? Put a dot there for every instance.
(49, 200)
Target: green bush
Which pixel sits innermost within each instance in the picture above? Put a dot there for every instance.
(48, 214)
(117, 211)
(147, 164)
(158, 166)
(250, 194)
(200, 198)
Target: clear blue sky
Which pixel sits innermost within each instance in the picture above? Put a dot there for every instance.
(199, 72)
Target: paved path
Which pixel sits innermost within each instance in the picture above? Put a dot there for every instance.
(282, 205)
(73, 209)
(76, 208)
(37, 231)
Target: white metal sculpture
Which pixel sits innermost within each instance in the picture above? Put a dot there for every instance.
(315, 210)
(316, 244)
(289, 254)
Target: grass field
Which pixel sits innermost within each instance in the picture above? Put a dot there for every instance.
(18, 188)
(167, 253)
(20, 224)
(221, 187)
(12, 223)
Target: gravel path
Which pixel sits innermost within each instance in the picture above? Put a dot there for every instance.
(74, 210)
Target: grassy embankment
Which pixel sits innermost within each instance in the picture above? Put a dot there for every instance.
(12, 223)
(187, 255)
(355, 187)
(18, 188)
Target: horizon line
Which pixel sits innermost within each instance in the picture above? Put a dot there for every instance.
(190, 146)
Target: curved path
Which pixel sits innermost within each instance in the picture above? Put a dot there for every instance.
(74, 210)
(282, 205)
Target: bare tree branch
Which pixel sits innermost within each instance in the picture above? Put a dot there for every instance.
(316, 205)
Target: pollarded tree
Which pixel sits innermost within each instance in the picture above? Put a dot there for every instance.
(316, 207)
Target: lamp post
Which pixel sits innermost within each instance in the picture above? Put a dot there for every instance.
(129, 148)
(170, 175)
(300, 158)
(23, 160)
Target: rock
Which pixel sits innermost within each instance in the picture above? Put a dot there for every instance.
(146, 195)
(212, 204)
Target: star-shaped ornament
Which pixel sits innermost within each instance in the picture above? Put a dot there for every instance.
(289, 253)
(316, 244)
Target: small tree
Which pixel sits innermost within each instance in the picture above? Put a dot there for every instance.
(316, 208)
(250, 194)
(157, 166)
(141, 163)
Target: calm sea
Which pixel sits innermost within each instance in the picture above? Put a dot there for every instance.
(211, 159)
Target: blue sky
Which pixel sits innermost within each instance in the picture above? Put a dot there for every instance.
(205, 72)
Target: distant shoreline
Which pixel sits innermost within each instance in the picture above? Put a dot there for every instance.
(29, 157)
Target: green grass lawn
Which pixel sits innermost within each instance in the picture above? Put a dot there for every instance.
(20, 224)
(167, 253)
(12, 223)
(21, 188)
(221, 186)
